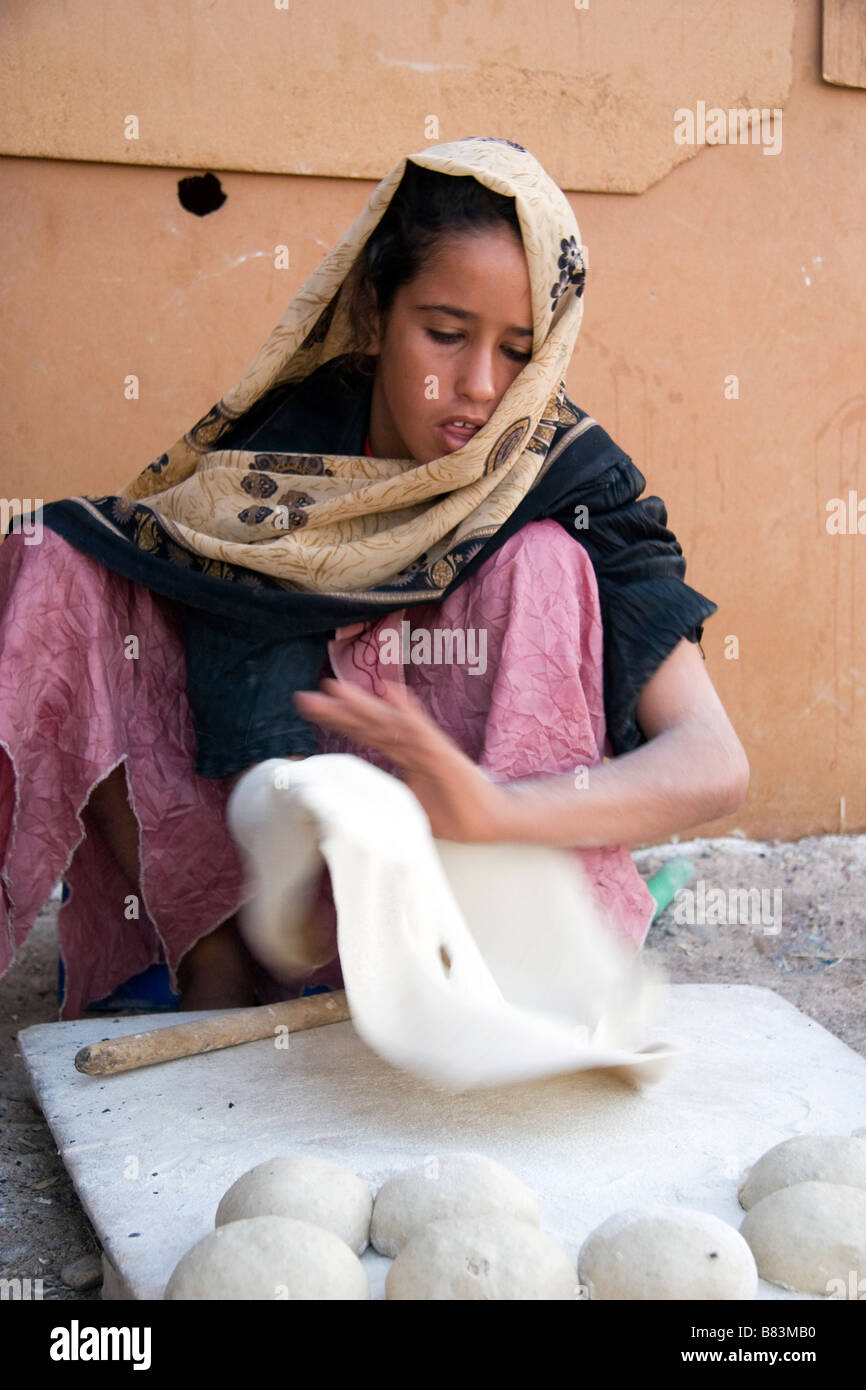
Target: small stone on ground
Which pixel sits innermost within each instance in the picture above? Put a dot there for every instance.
(83, 1273)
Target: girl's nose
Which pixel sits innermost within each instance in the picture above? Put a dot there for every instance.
(476, 379)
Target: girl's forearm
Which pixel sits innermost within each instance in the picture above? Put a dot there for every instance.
(682, 778)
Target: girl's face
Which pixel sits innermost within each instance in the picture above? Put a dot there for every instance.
(453, 342)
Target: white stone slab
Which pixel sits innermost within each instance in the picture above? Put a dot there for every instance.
(152, 1151)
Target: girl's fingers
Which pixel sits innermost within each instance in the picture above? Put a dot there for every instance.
(365, 718)
(355, 707)
(448, 785)
(395, 723)
(341, 695)
(341, 702)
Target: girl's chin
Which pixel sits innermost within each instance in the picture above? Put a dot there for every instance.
(428, 454)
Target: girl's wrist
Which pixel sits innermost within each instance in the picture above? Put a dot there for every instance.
(543, 813)
(516, 820)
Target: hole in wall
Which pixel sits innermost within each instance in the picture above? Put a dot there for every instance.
(445, 959)
(200, 194)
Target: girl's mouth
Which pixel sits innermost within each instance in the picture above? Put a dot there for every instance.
(456, 433)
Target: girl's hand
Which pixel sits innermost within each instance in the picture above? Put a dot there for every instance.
(461, 804)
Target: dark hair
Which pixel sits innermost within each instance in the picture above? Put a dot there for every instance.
(426, 207)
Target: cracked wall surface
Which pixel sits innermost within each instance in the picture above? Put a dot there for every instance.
(343, 90)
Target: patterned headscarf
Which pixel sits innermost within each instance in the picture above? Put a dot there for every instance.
(341, 525)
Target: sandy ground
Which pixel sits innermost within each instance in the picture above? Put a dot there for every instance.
(817, 960)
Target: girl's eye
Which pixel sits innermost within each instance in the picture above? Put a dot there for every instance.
(455, 338)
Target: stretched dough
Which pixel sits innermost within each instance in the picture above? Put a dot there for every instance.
(466, 965)
(481, 1257)
(308, 1189)
(269, 1257)
(455, 1185)
(806, 1158)
(665, 1252)
(808, 1236)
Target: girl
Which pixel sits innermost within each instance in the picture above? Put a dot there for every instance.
(400, 494)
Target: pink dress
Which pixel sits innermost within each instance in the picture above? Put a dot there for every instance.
(78, 697)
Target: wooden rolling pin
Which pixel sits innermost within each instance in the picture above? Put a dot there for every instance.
(209, 1034)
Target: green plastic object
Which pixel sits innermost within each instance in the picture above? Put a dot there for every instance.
(665, 885)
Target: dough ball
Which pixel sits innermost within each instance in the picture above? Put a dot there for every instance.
(806, 1235)
(307, 1189)
(808, 1158)
(269, 1257)
(665, 1252)
(476, 1257)
(456, 1185)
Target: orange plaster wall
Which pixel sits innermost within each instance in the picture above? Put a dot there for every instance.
(736, 263)
(344, 89)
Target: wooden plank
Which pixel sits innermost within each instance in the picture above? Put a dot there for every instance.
(844, 43)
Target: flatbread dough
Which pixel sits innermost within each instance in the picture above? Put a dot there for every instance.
(666, 1252)
(808, 1235)
(466, 965)
(308, 1189)
(482, 1257)
(455, 1185)
(806, 1158)
(269, 1257)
